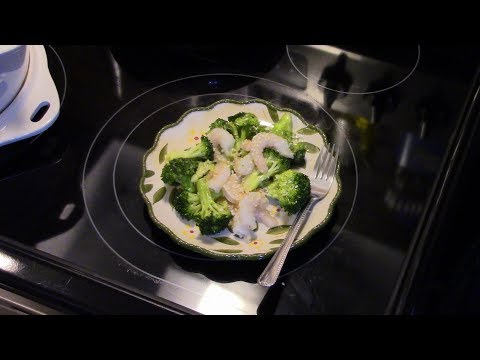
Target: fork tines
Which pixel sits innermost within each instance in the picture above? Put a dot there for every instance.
(326, 162)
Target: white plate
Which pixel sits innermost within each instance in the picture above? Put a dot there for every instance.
(186, 132)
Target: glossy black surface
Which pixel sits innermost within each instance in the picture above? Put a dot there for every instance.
(441, 275)
(69, 290)
(58, 196)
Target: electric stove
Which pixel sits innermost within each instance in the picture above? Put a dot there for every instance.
(70, 197)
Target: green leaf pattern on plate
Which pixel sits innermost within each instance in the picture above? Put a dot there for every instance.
(173, 193)
(147, 187)
(149, 173)
(309, 130)
(159, 194)
(278, 229)
(312, 149)
(163, 152)
(278, 241)
(227, 240)
(273, 114)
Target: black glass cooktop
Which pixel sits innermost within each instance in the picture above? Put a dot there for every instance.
(72, 192)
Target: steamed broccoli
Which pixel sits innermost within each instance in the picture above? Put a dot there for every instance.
(226, 125)
(202, 169)
(291, 189)
(210, 216)
(179, 172)
(299, 149)
(219, 123)
(187, 204)
(283, 127)
(236, 116)
(247, 125)
(275, 163)
(203, 150)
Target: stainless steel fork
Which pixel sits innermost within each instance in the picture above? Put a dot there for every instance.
(321, 182)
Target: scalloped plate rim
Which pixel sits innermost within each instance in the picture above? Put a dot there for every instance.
(224, 256)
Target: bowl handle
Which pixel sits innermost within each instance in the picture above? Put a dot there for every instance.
(36, 106)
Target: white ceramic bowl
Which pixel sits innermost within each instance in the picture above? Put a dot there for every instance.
(14, 61)
(185, 133)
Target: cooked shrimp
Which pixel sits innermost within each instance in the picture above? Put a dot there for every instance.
(264, 217)
(247, 145)
(218, 156)
(218, 176)
(244, 220)
(221, 138)
(262, 213)
(233, 190)
(243, 166)
(261, 141)
(252, 208)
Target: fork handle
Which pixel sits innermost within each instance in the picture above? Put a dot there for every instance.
(270, 275)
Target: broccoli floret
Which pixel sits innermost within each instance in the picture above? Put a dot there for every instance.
(236, 116)
(226, 125)
(210, 216)
(283, 127)
(219, 123)
(213, 217)
(203, 150)
(202, 169)
(291, 189)
(179, 172)
(248, 126)
(187, 204)
(275, 163)
(299, 149)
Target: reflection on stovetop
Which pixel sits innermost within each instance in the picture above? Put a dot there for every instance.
(398, 137)
(358, 287)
